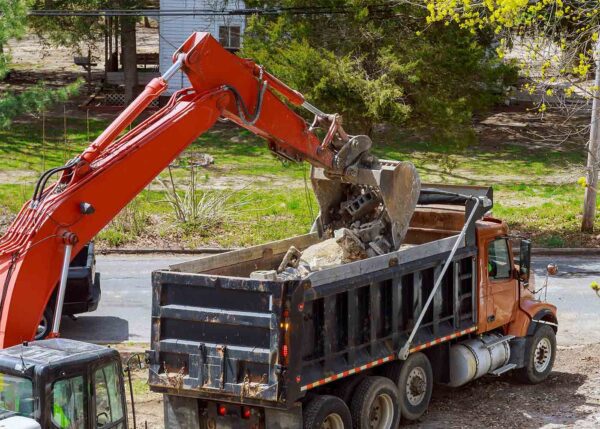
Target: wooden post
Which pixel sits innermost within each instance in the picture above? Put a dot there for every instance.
(589, 204)
(66, 154)
(43, 140)
(129, 60)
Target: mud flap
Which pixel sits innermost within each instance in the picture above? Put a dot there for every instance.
(181, 412)
(284, 419)
(518, 349)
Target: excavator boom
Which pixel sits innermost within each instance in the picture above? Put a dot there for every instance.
(94, 187)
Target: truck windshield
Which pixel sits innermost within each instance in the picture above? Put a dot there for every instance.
(16, 394)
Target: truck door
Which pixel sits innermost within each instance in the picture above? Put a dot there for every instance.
(501, 284)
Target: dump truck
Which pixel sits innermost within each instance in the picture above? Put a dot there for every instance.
(359, 345)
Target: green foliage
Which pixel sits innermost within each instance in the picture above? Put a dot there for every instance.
(33, 100)
(373, 66)
(12, 24)
(76, 32)
(73, 32)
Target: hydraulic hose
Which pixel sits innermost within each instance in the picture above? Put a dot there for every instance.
(243, 113)
(43, 180)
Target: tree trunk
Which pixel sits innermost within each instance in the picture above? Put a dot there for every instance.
(589, 204)
(129, 57)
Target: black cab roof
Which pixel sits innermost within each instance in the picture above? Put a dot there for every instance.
(52, 352)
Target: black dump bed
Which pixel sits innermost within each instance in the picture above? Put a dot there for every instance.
(219, 335)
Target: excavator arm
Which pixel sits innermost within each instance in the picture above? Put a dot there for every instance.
(94, 187)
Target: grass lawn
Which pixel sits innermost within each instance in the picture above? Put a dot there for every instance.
(261, 199)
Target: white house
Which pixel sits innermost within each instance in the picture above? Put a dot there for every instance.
(174, 30)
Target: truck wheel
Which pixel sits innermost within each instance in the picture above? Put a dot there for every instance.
(375, 404)
(326, 412)
(539, 356)
(415, 384)
(45, 325)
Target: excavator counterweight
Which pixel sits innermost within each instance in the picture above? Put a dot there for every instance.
(91, 189)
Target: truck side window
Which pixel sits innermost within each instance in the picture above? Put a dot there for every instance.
(109, 403)
(499, 264)
(68, 409)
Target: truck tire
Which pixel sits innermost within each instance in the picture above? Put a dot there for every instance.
(375, 404)
(345, 391)
(326, 411)
(45, 325)
(414, 378)
(539, 356)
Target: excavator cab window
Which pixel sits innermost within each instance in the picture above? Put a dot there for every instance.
(109, 399)
(68, 403)
(16, 395)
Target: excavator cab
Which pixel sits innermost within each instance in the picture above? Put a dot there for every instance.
(61, 384)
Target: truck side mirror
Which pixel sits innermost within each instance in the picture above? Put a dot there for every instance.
(524, 260)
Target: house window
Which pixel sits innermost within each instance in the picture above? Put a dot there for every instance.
(229, 36)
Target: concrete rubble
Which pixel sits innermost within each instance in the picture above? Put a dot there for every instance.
(360, 229)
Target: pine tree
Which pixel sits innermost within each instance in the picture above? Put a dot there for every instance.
(13, 25)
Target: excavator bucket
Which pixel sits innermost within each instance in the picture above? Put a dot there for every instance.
(374, 203)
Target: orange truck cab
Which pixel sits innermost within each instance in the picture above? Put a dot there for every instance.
(505, 297)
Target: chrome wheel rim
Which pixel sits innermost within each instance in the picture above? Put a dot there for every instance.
(543, 353)
(416, 386)
(41, 329)
(381, 414)
(333, 421)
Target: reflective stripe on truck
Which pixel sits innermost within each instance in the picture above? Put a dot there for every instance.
(385, 359)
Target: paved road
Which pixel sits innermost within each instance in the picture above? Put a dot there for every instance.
(124, 311)
(123, 314)
(569, 290)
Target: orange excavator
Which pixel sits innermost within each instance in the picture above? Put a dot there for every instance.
(91, 189)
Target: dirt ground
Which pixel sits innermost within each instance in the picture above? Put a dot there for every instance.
(569, 398)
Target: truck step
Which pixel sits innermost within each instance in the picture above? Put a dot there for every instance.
(500, 340)
(503, 369)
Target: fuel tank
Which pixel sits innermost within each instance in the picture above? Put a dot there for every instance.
(476, 357)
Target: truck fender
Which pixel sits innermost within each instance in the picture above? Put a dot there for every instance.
(543, 317)
(519, 346)
(528, 317)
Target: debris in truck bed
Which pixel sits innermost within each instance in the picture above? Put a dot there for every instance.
(264, 275)
(325, 254)
(362, 223)
(363, 230)
(291, 259)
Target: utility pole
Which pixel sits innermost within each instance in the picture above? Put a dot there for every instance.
(589, 203)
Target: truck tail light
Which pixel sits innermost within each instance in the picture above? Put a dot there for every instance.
(285, 336)
(246, 413)
(222, 410)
